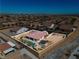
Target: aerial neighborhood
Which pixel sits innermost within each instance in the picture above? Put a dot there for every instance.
(39, 36)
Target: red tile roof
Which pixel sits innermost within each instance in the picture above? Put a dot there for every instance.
(4, 47)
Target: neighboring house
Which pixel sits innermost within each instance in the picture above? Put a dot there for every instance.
(52, 26)
(21, 30)
(6, 47)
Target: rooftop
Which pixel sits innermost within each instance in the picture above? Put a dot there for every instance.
(4, 46)
(35, 34)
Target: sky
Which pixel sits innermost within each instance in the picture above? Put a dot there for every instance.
(40, 6)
